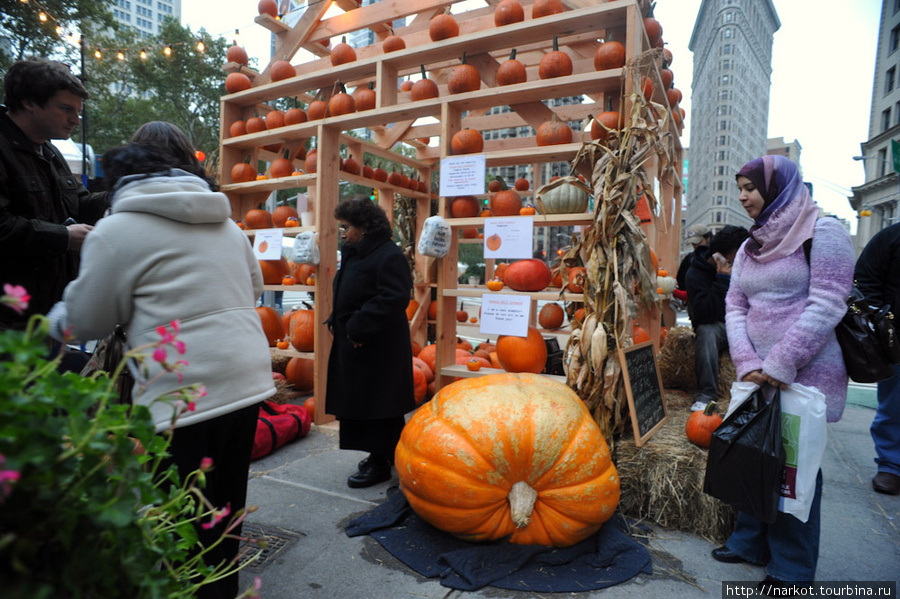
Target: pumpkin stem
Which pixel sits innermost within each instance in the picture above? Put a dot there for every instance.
(609, 102)
(371, 85)
(464, 57)
(521, 502)
(555, 44)
(512, 54)
(422, 67)
(710, 409)
(344, 39)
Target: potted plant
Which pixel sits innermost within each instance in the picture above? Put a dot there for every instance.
(86, 510)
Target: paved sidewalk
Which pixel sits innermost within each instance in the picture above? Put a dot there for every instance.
(303, 499)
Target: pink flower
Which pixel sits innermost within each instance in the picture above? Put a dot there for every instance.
(206, 464)
(159, 355)
(217, 516)
(15, 297)
(6, 478)
(179, 347)
(200, 391)
(176, 325)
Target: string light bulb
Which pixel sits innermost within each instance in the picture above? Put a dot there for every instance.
(143, 54)
(167, 51)
(43, 17)
(97, 54)
(120, 55)
(201, 46)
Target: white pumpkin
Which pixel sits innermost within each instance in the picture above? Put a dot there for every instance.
(666, 284)
(563, 196)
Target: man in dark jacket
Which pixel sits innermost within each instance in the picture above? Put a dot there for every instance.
(45, 211)
(707, 280)
(877, 274)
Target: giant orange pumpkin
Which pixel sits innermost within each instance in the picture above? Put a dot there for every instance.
(514, 456)
(522, 354)
(303, 329)
(527, 275)
(271, 324)
(299, 373)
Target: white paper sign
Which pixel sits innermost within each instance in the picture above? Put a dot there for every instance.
(267, 244)
(505, 314)
(463, 175)
(508, 237)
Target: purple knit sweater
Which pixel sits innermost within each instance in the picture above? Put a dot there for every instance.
(781, 314)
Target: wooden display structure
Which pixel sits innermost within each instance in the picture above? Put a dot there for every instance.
(395, 120)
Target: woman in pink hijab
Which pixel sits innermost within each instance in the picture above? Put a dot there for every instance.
(783, 304)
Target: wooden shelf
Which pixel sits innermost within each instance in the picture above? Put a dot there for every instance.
(291, 353)
(270, 184)
(288, 231)
(540, 220)
(550, 296)
(460, 370)
(318, 74)
(272, 24)
(297, 288)
(520, 93)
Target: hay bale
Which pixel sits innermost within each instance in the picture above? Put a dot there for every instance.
(662, 481)
(279, 362)
(676, 364)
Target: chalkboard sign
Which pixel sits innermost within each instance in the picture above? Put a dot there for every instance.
(643, 386)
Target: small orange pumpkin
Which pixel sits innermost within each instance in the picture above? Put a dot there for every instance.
(464, 78)
(495, 284)
(271, 324)
(551, 316)
(527, 210)
(300, 373)
(522, 354)
(282, 69)
(474, 364)
(443, 26)
(303, 330)
(237, 82)
(701, 424)
(555, 64)
(342, 53)
(424, 88)
(288, 280)
(282, 344)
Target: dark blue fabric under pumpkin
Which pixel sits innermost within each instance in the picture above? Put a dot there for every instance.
(607, 558)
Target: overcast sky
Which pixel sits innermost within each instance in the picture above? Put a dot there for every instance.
(822, 71)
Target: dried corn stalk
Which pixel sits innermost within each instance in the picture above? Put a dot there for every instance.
(619, 281)
(405, 231)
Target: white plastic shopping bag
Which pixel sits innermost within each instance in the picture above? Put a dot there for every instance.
(435, 239)
(306, 249)
(803, 434)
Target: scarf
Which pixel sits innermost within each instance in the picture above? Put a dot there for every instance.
(789, 215)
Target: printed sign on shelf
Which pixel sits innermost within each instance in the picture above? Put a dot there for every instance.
(267, 244)
(508, 237)
(505, 314)
(463, 175)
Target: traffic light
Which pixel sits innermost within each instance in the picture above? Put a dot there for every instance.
(374, 195)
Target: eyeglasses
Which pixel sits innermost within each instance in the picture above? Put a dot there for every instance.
(343, 228)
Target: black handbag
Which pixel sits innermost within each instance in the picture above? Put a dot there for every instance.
(868, 340)
(745, 464)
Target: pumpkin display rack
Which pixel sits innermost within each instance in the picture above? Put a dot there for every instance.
(460, 81)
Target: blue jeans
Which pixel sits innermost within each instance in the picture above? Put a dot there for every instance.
(710, 341)
(886, 425)
(788, 547)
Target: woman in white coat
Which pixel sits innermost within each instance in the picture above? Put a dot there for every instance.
(170, 251)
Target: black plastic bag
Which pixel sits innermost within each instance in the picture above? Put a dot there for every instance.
(745, 464)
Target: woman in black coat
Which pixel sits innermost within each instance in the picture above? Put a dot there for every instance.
(370, 379)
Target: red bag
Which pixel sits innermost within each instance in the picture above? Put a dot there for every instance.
(278, 424)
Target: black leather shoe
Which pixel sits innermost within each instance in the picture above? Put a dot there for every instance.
(724, 554)
(372, 472)
(773, 587)
(887, 483)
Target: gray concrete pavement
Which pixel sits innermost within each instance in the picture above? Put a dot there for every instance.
(301, 494)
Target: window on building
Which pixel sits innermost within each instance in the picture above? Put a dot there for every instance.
(726, 49)
(882, 162)
(718, 216)
(720, 170)
(896, 5)
(886, 119)
(728, 33)
(889, 77)
(729, 17)
(724, 79)
(722, 140)
(719, 199)
(895, 39)
(897, 113)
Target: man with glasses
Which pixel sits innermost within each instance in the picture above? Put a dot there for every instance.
(45, 211)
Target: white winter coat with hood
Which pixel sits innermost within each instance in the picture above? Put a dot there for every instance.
(170, 251)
